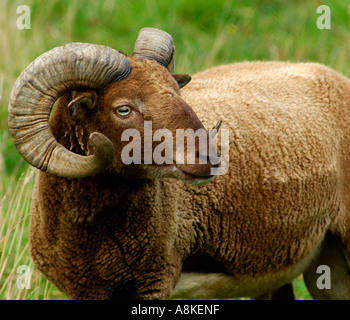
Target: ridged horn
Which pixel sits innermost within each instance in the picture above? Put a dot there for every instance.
(156, 45)
(61, 69)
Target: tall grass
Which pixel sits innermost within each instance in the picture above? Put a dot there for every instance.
(206, 33)
(14, 248)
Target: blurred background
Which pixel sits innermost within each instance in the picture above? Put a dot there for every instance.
(206, 33)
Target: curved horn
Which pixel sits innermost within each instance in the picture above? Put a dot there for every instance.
(40, 85)
(156, 45)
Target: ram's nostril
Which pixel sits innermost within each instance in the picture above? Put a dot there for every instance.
(214, 160)
(203, 156)
(206, 157)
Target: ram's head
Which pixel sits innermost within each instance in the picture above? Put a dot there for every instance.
(102, 93)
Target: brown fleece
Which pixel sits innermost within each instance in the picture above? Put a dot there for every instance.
(112, 236)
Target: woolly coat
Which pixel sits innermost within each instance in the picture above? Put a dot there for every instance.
(288, 183)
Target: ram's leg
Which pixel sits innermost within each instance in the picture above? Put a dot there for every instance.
(285, 292)
(147, 290)
(328, 276)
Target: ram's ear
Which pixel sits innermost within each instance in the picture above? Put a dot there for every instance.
(182, 79)
(82, 103)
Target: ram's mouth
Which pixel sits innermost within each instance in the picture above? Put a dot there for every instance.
(193, 178)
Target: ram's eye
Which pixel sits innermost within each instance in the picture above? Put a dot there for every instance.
(123, 111)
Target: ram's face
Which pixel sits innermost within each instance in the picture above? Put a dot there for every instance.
(116, 113)
(144, 116)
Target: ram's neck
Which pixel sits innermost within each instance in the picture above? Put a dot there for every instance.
(85, 199)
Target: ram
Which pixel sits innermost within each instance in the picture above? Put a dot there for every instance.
(104, 229)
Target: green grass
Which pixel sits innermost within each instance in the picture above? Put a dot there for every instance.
(206, 33)
(14, 249)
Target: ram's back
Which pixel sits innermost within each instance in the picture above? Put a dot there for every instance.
(288, 178)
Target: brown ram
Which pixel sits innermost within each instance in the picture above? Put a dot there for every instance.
(101, 229)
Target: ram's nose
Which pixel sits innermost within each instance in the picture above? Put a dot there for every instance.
(209, 158)
(211, 154)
